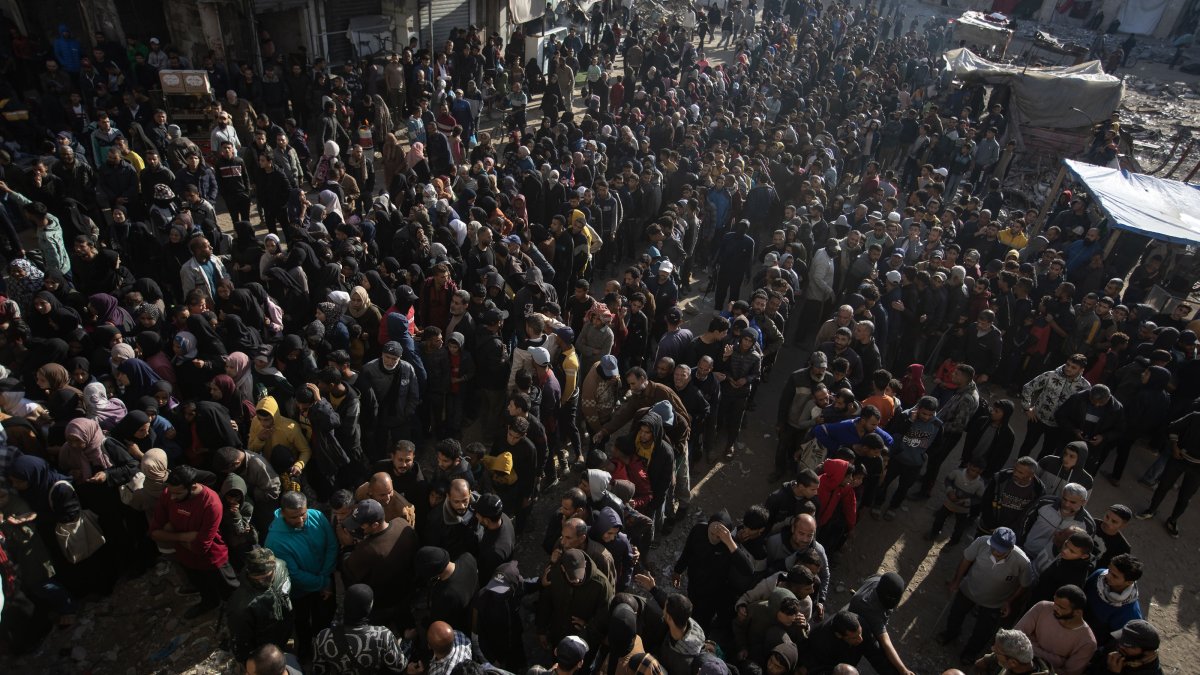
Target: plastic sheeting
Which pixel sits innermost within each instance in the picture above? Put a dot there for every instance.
(525, 10)
(977, 30)
(1044, 97)
(1156, 207)
(1141, 17)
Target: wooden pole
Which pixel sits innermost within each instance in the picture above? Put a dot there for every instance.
(1051, 197)
(1112, 242)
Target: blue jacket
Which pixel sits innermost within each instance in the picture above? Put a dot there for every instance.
(834, 436)
(1103, 616)
(310, 552)
(67, 51)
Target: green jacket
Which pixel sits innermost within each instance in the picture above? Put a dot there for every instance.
(560, 601)
(50, 240)
(259, 615)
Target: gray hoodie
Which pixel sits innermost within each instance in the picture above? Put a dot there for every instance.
(676, 655)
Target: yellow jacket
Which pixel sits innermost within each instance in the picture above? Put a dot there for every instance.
(286, 432)
(570, 368)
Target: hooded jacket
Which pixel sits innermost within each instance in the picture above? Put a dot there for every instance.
(661, 467)
(235, 522)
(259, 615)
(619, 548)
(1046, 392)
(1054, 476)
(834, 492)
(286, 433)
(310, 551)
(995, 455)
(1150, 408)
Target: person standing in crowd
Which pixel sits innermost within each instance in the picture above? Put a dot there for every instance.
(269, 310)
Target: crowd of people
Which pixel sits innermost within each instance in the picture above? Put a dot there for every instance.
(335, 433)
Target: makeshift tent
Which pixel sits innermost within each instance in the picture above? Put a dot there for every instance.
(1045, 97)
(1155, 207)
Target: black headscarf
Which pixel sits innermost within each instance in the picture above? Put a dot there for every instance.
(381, 296)
(238, 336)
(125, 429)
(61, 320)
(208, 343)
(243, 303)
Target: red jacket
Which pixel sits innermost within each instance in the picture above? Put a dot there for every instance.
(833, 491)
(634, 472)
(200, 513)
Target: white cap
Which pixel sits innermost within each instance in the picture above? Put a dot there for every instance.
(540, 355)
(893, 217)
(893, 276)
(666, 266)
(942, 171)
(153, 41)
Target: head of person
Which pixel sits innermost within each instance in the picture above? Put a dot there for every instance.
(1069, 603)
(1123, 571)
(293, 510)
(1013, 650)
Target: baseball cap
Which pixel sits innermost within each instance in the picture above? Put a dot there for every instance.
(875, 215)
(489, 506)
(666, 266)
(566, 334)
(893, 217)
(570, 652)
(1138, 633)
(366, 512)
(154, 41)
(898, 252)
(540, 355)
(608, 365)
(942, 171)
(1002, 540)
(393, 348)
(493, 315)
(574, 565)
(674, 315)
(892, 276)
(513, 239)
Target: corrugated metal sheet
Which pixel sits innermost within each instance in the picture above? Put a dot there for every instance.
(337, 17)
(447, 15)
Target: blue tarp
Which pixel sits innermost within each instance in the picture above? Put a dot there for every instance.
(1156, 207)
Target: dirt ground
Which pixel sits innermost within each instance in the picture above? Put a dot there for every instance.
(140, 629)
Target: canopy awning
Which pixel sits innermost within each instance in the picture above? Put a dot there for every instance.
(1154, 207)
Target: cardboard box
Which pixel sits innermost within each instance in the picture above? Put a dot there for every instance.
(184, 81)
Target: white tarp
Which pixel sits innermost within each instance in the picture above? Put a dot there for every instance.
(1141, 17)
(977, 30)
(1044, 97)
(521, 11)
(1156, 207)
